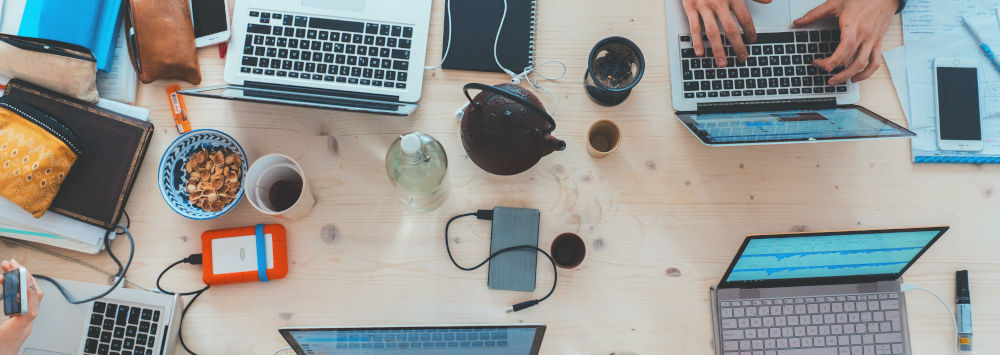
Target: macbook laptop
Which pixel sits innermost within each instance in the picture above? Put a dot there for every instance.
(125, 321)
(776, 95)
(358, 55)
(825, 293)
(519, 339)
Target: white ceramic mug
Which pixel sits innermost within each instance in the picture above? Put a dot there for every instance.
(269, 170)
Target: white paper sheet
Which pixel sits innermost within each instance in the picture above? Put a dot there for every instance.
(957, 42)
(925, 18)
(119, 83)
(895, 61)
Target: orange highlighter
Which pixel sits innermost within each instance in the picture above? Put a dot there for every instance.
(178, 109)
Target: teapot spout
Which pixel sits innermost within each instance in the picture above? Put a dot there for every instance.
(552, 144)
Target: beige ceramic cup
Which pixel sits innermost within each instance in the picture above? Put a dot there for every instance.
(603, 138)
(275, 172)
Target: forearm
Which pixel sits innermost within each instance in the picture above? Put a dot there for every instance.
(13, 333)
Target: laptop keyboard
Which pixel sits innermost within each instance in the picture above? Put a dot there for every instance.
(862, 324)
(780, 63)
(399, 339)
(122, 330)
(327, 50)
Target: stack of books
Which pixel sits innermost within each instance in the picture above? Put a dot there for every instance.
(91, 201)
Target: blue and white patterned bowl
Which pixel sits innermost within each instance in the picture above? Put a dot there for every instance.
(173, 177)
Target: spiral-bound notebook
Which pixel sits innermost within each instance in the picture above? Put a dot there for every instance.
(474, 28)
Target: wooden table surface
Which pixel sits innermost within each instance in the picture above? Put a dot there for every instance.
(662, 217)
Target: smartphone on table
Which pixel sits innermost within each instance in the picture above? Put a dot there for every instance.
(15, 292)
(211, 22)
(956, 88)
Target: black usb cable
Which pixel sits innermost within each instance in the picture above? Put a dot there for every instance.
(193, 259)
(487, 215)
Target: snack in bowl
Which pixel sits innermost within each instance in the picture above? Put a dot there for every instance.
(213, 178)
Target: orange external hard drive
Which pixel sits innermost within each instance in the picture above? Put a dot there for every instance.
(248, 254)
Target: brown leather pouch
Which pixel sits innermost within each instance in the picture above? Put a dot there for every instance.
(161, 40)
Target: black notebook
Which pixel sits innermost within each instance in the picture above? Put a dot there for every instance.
(475, 29)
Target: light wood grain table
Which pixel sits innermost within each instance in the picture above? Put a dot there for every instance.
(662, 217)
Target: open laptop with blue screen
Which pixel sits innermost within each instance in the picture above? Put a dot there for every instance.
(826, 293)
(521, 339)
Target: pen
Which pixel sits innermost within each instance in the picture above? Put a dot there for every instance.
(982, 44)
(964, 308)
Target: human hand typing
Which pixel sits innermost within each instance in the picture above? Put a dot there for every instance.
(733, 15)
(863, 24)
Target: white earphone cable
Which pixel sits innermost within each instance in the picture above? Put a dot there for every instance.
(515, 77)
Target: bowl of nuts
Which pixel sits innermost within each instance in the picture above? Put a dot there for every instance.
(201, 174)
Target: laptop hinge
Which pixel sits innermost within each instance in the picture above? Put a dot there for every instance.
(324, 92)
(768, 105)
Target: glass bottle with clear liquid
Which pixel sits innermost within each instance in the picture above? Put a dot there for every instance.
(417, 166)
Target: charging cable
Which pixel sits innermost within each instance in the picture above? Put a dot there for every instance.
(954, 322)
(119, 276)
(193, 259)
(515, 77)
(487, 215)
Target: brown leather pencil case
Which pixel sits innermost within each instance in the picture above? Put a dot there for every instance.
(161, 40)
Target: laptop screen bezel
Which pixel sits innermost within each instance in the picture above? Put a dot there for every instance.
(831, 280)
(903, 132)
(535, 346)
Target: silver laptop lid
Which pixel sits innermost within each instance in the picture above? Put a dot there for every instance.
(823, 258)
(304, 97)
(520, 339)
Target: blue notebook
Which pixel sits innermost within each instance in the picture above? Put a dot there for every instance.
(89, 23)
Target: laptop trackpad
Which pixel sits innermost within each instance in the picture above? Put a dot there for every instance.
(774, 14)
(339, 5)
(779, 13)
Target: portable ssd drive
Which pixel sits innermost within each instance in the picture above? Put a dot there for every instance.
(248, 254)
(514, 270)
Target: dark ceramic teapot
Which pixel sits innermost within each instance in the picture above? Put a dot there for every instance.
(505, 129)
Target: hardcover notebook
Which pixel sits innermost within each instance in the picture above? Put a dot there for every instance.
(98, 185)
(475, 28)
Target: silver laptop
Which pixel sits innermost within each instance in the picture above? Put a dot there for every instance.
(517, 339)
(828, 293)
(123, 322)
(776, 95)
(358, 55)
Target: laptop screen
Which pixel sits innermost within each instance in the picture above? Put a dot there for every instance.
(487, 340)
(847, 122)
(829, 255)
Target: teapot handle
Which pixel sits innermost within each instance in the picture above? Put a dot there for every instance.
(512, 96)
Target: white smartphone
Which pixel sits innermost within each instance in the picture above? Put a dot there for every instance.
(211, 22)
(956, 89)
(15, 292)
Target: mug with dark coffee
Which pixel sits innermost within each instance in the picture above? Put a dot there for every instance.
(277, 186)
(568, 250)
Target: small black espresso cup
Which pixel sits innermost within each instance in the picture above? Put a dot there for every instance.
(568, 250)
(614, 67)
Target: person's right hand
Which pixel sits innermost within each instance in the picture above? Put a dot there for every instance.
(711, 13)
(15, 330)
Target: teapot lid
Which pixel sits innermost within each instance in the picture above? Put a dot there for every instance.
(516, 98)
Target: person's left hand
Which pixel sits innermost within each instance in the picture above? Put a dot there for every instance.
(863, 24)
(16, 329)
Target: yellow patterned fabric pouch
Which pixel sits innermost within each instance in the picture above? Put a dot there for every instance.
(36, 154)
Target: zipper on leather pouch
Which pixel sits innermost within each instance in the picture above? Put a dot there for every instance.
(45, 121)
(48, 47)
